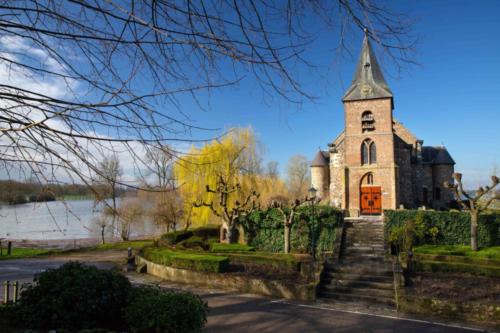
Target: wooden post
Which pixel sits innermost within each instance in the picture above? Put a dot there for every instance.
(9, 248)
(15, 292)
(6, 287)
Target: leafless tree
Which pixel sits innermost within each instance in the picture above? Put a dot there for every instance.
(110, 173)
(129, 212)
(224, 209)
(272, 170)
(102, 223)
(160, 161)
(474, 203)
(298, 176)
(84, 77)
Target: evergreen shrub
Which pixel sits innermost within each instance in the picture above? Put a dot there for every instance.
(74, 297)
(264, 229)
(445, 228)
(152, 309)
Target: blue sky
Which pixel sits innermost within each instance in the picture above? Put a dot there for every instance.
(451, 98)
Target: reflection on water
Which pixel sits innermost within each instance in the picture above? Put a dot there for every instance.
(60, 220)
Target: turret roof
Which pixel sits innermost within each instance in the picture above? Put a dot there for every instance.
(321, 159)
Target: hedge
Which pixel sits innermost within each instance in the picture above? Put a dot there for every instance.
(222, 247)
(453, 227)
(174, 237)
(186, 260)
(264, 230)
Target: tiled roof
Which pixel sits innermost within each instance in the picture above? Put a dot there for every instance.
(436, 155)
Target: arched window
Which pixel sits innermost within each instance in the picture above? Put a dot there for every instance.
(373, 153)
(368, 152)
(367, 179)
(367, 121)
(365, 158)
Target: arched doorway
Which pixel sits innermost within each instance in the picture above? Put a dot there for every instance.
(370, 196)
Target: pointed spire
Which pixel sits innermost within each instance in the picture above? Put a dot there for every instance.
(368, 82)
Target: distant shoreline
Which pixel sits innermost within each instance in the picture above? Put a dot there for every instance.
(65, 244)
(62, 198)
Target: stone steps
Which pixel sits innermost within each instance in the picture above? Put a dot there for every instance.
(363, 273)
(358, 277)
(363, 269)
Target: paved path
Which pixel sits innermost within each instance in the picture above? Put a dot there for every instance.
(230, 312)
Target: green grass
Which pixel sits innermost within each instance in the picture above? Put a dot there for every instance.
(221, 247)
(136, 245)
(460, 250)
(21, 252)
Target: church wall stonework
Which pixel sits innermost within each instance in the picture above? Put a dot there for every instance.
(441, 174)
(337, 176)
(405, 174)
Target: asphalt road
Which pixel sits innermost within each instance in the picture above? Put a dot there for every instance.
(230, 312)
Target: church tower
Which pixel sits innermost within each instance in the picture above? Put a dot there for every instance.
(370, 167)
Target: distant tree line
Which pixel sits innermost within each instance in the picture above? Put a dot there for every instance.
(14, 192)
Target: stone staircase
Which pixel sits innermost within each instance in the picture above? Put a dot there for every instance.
(363, 273)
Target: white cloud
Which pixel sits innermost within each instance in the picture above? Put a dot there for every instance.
(18, 50)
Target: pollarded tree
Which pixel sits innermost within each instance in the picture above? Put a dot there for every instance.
(474, 203)
(288, 214)
(230, 214)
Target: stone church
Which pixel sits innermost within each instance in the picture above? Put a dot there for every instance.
(376, 163)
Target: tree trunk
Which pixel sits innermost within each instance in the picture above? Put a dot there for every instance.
(287, 238)
(102, 233)
(473, 229)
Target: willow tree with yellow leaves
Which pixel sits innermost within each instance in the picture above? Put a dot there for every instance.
(223, 179)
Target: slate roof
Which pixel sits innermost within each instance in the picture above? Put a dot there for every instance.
(368, 82)
(321, 159)
(436, 155)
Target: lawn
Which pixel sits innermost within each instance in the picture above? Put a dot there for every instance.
(460, 250)
(21, 252)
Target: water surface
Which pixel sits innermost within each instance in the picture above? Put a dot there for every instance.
(60, 220)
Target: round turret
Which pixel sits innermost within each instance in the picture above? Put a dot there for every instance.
(320, 174)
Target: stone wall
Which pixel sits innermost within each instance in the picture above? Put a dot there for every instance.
(243, 284)
(405, 175)
(337, 176)
(442, 173)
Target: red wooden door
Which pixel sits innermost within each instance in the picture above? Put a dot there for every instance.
(371, 200)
